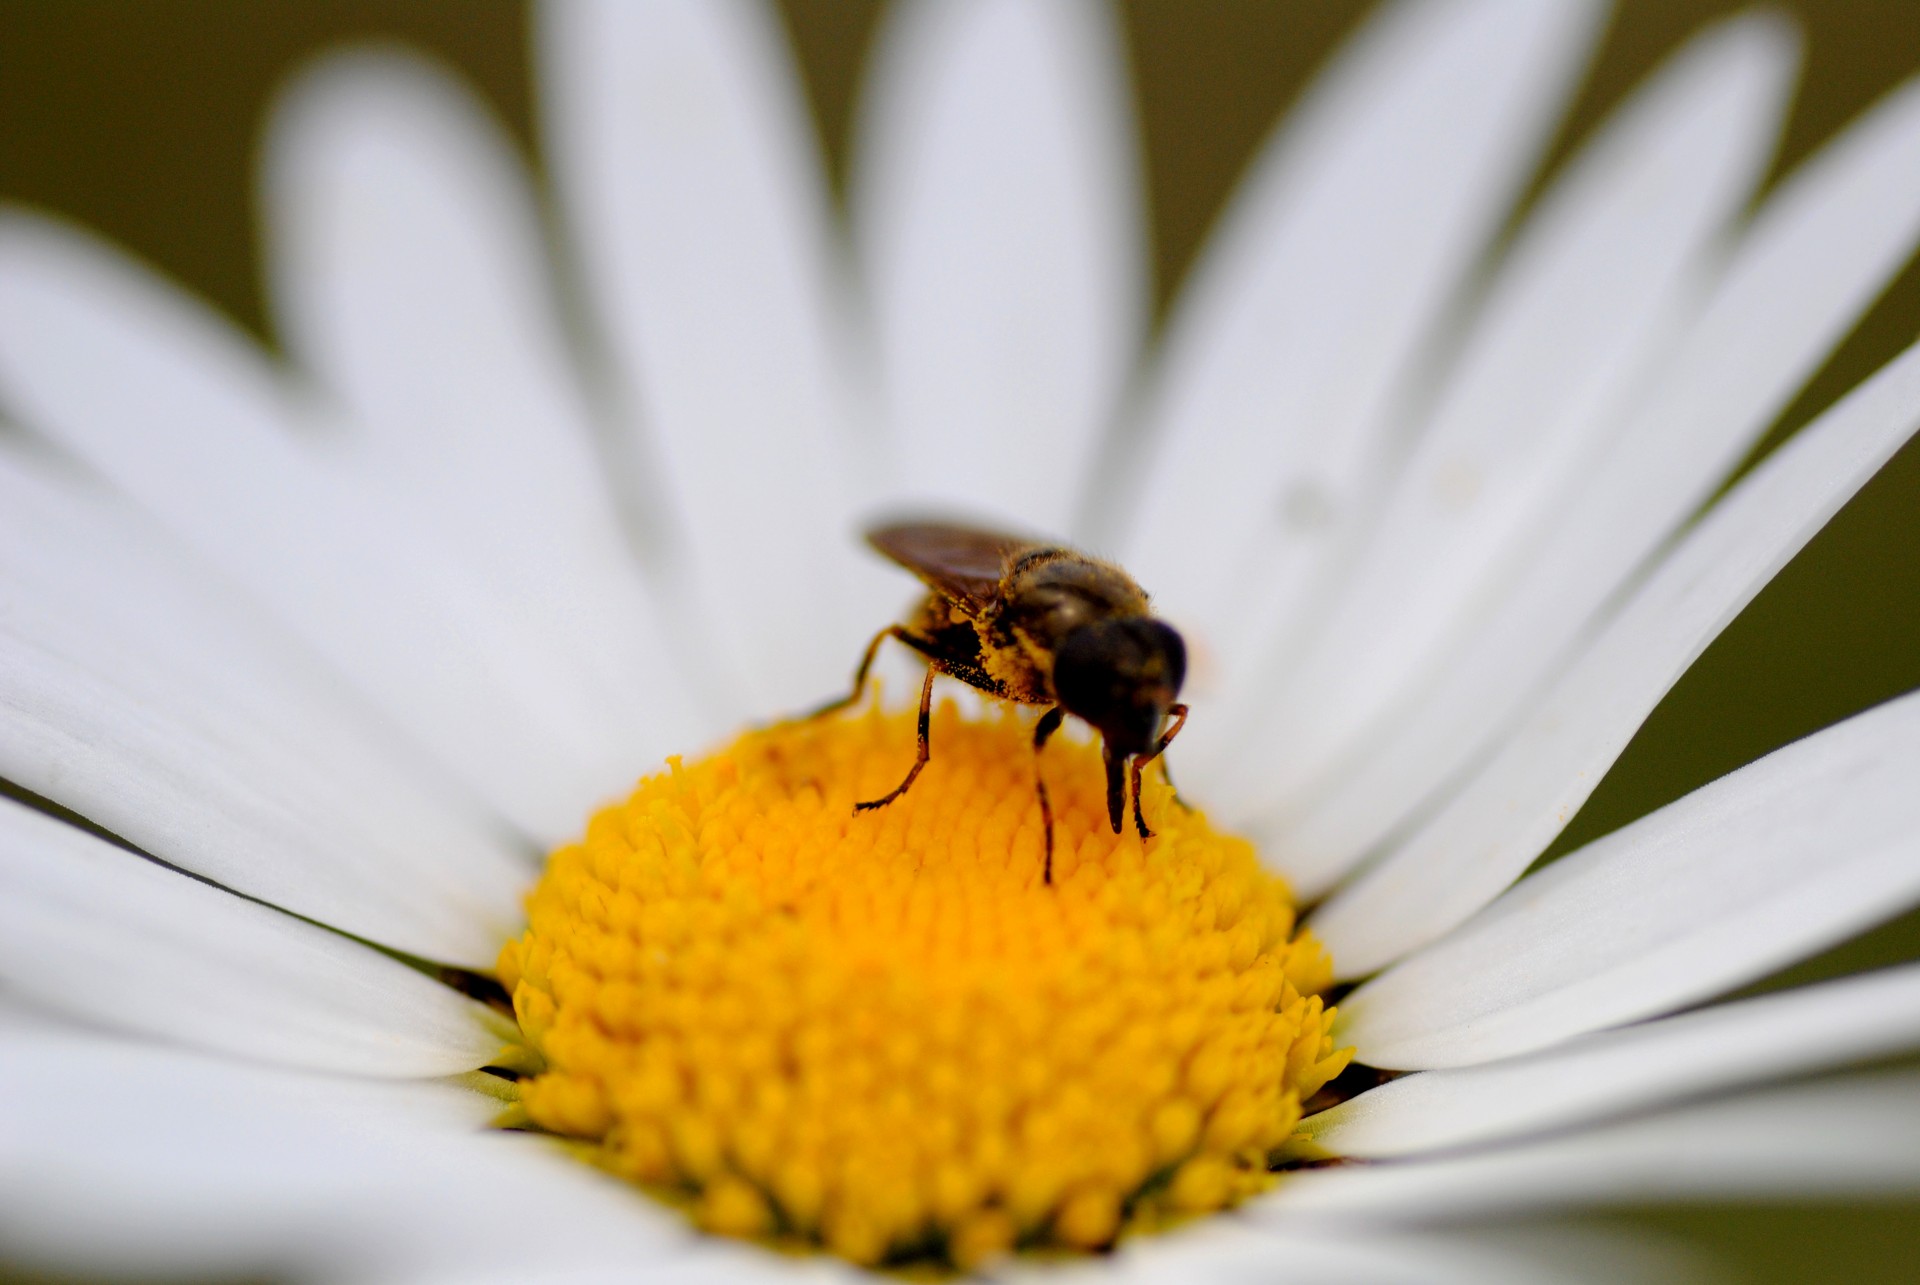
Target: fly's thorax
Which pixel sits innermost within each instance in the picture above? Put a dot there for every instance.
(1024, 671)
(1053, 593)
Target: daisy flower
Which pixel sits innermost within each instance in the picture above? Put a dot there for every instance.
(309, 662)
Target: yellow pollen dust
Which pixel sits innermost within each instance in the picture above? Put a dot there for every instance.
(883, 1033)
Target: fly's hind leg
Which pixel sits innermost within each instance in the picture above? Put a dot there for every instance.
(1179, 713)
(1049, 724)
(860, 674)
(925, 751)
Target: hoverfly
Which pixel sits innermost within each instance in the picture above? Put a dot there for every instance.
(1039, 624)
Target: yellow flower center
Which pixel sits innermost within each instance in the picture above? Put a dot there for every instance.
(883, 1033)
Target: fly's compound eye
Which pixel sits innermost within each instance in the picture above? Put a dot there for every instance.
(1121, 676)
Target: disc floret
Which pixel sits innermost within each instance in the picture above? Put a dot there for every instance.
(883, 1033)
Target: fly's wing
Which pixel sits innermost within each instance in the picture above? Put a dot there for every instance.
(963, 564)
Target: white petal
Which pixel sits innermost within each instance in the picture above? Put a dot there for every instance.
(1221, 1251)
(1611, 1073)
(1851, 1138)
(709, 1261)
(1290, 350)
(1765, 866)
(142, 694)
(1230, 1250)
(97, 931)
(139, 1161)
(1824, 245)
(1582, 307)
(693, 191)
(998, 209)
(181, 412)
(1514, 805)
(410, 279)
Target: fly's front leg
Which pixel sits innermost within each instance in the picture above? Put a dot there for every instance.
(1139, 810)
(926, 751)
(860, 674)
(1179, 713)
(1049, 724)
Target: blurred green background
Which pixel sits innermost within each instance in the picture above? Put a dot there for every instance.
(139, 118)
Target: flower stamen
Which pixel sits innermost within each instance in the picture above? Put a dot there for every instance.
(883, 1033)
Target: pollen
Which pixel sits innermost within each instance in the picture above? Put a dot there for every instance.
(882, 1033)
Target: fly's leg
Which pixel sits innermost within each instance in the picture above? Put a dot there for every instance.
(1179, 713)
(1049, 724)
(1139, 812)
(926, 751)
(860, 674)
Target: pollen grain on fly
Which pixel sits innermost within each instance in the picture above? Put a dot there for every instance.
(883, 1033)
